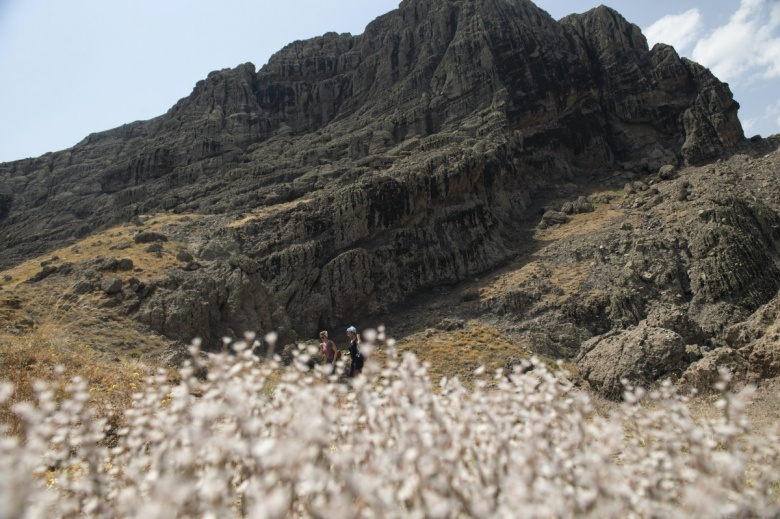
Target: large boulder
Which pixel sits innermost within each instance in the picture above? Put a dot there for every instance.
(641, 356)
(705, 373)
(675, 318)
(763, 358)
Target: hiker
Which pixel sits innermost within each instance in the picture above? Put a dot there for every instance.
(329, 349)
(356, 367)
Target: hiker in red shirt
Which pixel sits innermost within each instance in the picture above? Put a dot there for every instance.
(329, 349)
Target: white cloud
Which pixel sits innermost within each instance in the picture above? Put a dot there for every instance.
(677, 30)
(747, 48)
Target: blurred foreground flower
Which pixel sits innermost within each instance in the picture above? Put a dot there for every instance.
(246, 442)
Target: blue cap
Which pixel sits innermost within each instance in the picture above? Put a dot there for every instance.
(351, 329)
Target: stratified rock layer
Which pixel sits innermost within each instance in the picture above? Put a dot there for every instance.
(379, 165)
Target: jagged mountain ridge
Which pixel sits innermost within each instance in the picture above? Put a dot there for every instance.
(388, 163)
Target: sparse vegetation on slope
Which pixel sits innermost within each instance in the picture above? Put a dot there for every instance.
(48, 355)
(70, 307)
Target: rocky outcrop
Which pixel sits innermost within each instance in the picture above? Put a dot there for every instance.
(639, 356)
(646, 93)
(219, 301)
(369, 168)
(757, 339)
(706, 373)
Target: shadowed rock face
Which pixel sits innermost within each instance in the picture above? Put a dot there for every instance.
(394, 161)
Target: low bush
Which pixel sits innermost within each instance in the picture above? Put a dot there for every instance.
(391, 444)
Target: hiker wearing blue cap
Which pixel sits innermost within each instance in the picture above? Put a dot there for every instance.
(356, 366)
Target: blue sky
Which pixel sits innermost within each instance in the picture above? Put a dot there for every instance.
(73, 67)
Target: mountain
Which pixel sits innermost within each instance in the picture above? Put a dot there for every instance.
(351, 175)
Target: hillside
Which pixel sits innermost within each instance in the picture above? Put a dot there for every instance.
(461, 169)
(615, 267)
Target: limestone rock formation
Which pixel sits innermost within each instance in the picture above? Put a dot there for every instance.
(758, 340)
(219, 301)
(358, 171)
(704, 374)
(639, 356)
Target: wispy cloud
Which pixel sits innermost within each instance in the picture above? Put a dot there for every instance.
(677, 30)
(747, 48)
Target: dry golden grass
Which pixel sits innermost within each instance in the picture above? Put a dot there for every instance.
(39, 309)
(460, 352)
(570, 278)
(42, 326)
(103, 244)
(48, 308)
(266, 211)
(41, 355)
(46, 337)
(581, 224)
(512, 278)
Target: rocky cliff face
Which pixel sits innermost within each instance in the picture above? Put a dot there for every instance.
(359, 170)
